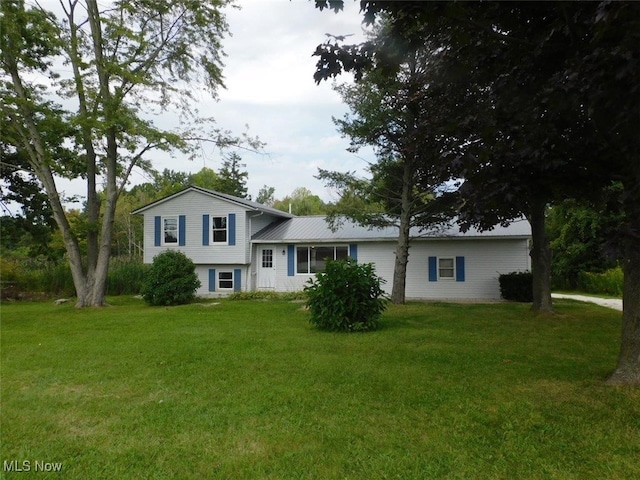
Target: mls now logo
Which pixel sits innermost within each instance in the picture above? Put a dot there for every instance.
(27, 466)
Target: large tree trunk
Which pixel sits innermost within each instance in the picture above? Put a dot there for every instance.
(402, 248)
(540, 259)
(627, 371)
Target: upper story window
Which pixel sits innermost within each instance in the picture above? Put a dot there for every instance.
(313, 259)
(170, 230)
(218, 229)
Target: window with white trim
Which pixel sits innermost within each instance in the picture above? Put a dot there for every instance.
(446, 268)
(313, 259)
(225, 280)
(170, 230)
(218, 229)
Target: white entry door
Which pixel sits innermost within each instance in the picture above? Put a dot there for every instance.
(267, 271)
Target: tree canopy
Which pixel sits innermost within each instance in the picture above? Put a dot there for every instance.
(554, 113)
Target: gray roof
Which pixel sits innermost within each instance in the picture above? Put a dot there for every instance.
(230, 198)
(316, 229)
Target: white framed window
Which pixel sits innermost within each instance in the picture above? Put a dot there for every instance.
(446, 268)
(170, 232)
(313, 259)
(219, 233)
(225, 280)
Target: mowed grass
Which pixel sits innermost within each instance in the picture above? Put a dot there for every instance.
(248, 390)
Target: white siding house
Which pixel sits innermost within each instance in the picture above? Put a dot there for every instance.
(239, 245)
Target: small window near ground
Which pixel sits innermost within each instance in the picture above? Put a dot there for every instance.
(446, 268)
(225, 280)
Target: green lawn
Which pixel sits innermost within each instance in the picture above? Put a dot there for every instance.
(248, 390)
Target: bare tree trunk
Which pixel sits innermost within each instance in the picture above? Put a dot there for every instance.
(627, 371)
(540, 259)
(402, 248)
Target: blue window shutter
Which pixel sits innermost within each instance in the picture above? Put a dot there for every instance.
(237, 280)
(182, 230)
(232, 228)
(353, 251)
(459, 269)
(291, 258)
(212, 279)
(433, 269)
(205, 229)
(157, 230)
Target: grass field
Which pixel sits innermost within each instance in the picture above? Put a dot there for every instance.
(248, 390)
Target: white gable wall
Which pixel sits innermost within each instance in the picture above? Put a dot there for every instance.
(193, 205)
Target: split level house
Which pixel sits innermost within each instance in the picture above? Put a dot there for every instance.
(240, 245)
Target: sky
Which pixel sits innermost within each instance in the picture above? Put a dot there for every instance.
(268, 75)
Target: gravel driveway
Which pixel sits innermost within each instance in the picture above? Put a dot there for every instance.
(614, 303)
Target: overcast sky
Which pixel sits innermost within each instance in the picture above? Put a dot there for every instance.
(268, 73)
(269, 77)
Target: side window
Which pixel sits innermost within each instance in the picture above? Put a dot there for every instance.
(170, 230)
(446, 268)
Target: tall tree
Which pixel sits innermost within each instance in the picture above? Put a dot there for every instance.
(399, 113)
(127, 61)
(583, 59)
(233, 180)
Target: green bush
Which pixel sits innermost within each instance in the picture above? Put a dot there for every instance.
(608, 283)
(171, 280)
(346, 297)
(517, 286)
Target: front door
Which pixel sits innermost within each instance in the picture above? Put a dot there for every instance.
(267, 271)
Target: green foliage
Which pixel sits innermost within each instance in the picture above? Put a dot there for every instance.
(126, 276)
(233, 180)
(346, 297)
(302, 202)
(171, 280)
(25, 278)
(265, 195)
(517, 286)
(578, 235)
(267, 295)
(609, 282)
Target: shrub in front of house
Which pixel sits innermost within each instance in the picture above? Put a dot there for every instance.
(171, 280)
(346, 297)
(517, 286)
